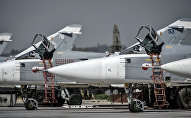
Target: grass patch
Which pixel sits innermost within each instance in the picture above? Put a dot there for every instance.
(103, 97)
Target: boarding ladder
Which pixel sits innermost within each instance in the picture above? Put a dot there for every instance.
(158, 81)
(49, 82)
(152, 43)
(45, 49)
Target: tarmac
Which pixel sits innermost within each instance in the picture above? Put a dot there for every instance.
(60, 112)
(90, 110)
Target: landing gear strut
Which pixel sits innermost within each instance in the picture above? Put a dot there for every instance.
(135, 105)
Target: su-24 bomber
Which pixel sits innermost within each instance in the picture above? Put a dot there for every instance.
(19, 71)
(124, 68)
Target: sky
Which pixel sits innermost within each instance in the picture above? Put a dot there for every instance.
(26, 18)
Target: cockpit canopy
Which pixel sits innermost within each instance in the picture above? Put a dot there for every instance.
(44, 48)
(149, 39)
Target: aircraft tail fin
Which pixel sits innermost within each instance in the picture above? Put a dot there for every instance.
(175, 32)
(116, 47)
(65, 38)
(4, 39)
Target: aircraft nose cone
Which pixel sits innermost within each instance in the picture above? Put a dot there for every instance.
(64, 70)
(54, 70)
(79, 71)
(171, 67)
(181, 67)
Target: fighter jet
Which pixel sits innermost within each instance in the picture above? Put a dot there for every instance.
(127, 68)
(20, 70)
(23, 63)
(121, 68)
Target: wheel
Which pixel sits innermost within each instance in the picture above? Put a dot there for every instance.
(179, 101)
(184, 96)
(31, 104)
(75, 99)
(136, 106)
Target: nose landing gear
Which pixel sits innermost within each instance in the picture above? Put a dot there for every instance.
(31, 104)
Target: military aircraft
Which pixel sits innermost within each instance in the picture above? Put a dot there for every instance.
(19, 71)
(26, 63)
(127, 68)
(108, 73)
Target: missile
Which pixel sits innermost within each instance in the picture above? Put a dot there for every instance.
(180, 67)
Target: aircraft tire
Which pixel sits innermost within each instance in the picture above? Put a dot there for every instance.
(136, 106)
(184, 95)
(31, 104)
(179, 102)
(75, 99)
